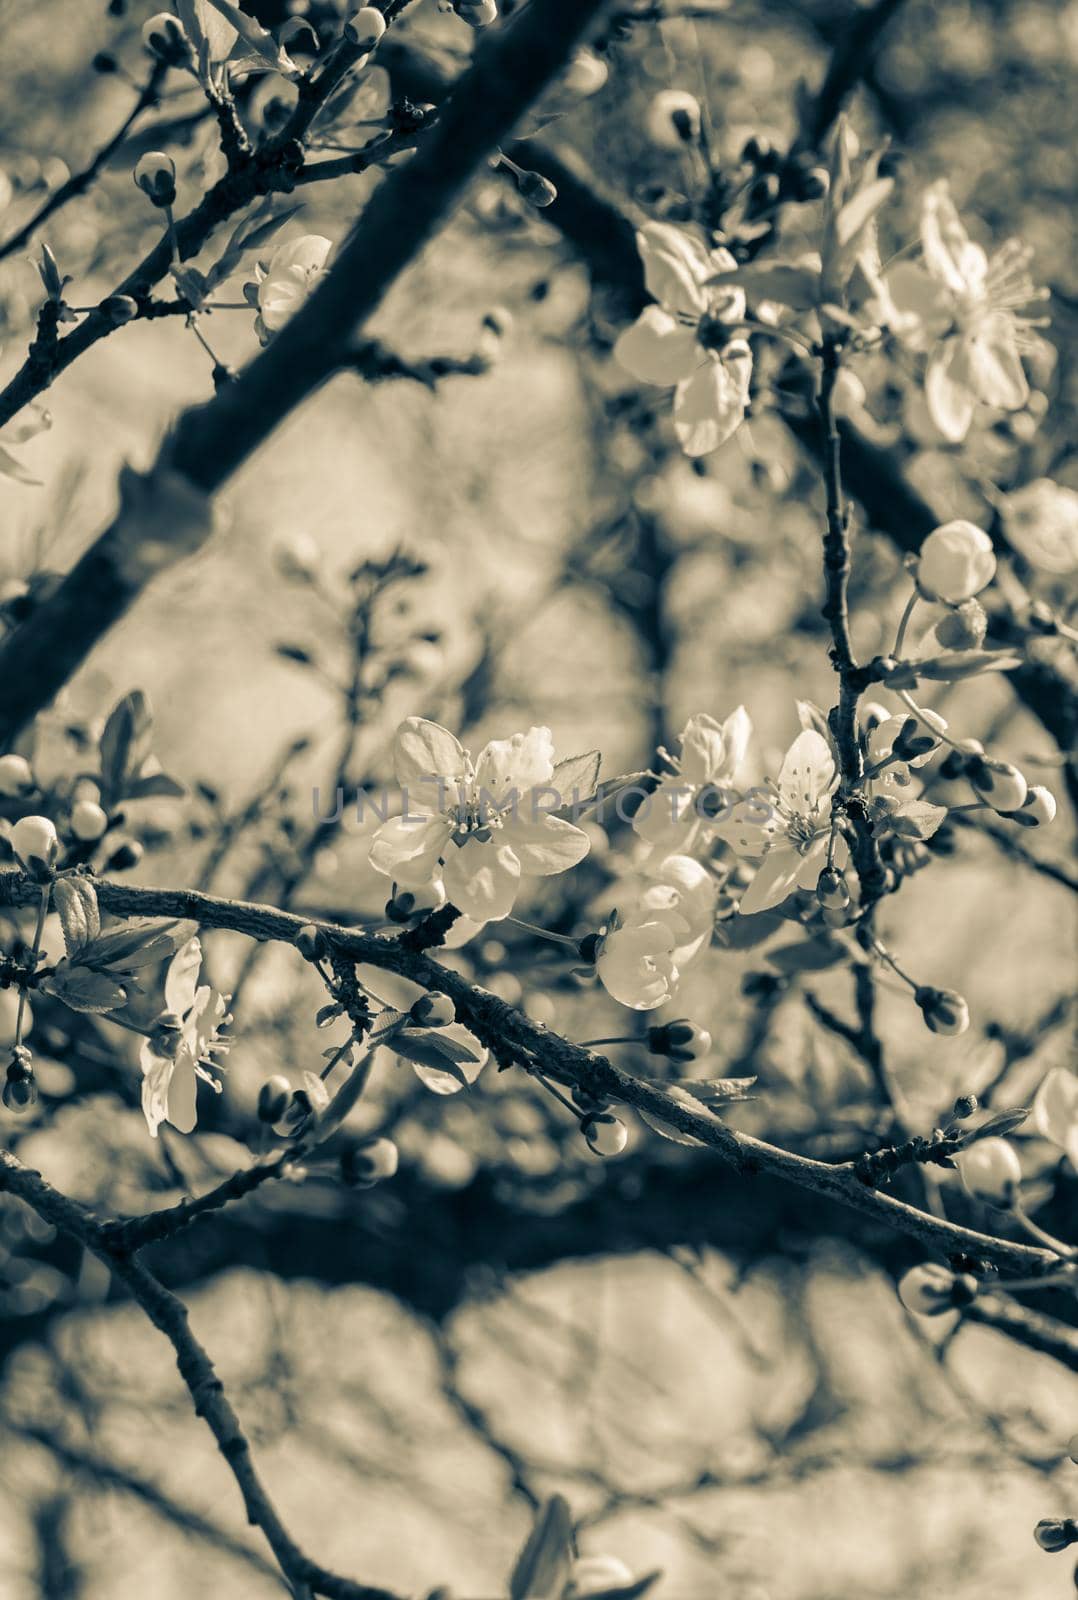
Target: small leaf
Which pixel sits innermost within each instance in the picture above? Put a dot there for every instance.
(263, 44)
(916, 819)
(719, 1091)
(543, 1565)
(296, 653)
(668, 1131)
(75, 900)
(999, 1125)
(965, 664)
(860, 210)
(796, 287)
(158, 785)
(85, 990)
(211, 34)
(138, 942)
(577, 777)
(124, 743)
(808, 955)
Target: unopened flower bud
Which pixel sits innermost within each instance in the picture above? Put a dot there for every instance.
(155, 174)
(873, 714)
(433, 1011)
(588, 948)
(931, 1289)
(811, 185)
(1072, 1448)
(310, 942)
(16, 777)
(596, 1575)
(944, 1010)
(273, 1098)
(998, 783)
(607, 1135)
(956, 562)
(120, 308)
(536, 190)
(105, 63)
(362, 1166)
(128, 855)
(673, 119)
(1036, 810)
(34, 841)
(680, 1041)
(20, 1092)
(1055, 1535)
(478, 15)
(964, 628)
(964, 1107)
(759, 151)
(914, 741)
(165, 37)
(88, 820)
(401, 907)
(365, 28)
(831, 890)
(991, 1170)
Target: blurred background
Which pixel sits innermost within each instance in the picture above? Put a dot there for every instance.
(717, 1374)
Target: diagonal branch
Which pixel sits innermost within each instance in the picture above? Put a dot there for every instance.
(512, 1035)
(165, 515)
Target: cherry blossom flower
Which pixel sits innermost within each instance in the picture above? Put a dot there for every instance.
(956, 562)
(790, 828)
(962, 308)
(685, 339)
(477, 826)
(672, 818)
(182, 1046)
(641, 959)
(289, 277)
(1055, 1112)
(1041, 522)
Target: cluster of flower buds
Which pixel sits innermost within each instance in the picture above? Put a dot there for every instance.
(165, 37)
(680, 1041)
(20, 1089)
(931, 1289)
(155, 175)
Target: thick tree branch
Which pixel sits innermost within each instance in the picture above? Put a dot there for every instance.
(210, 442)
(511, 1034)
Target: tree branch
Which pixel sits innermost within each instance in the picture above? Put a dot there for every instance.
(509, 1033)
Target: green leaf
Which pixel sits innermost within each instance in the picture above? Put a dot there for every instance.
(917, 819)
(954, 664)
(75, 900)
(254, 35)
(138, 943)
(124, 744)
(796, 287)
(157, 786)
(808, 955)
(719, 1091)
(577, 777)
(85, 990)
(212, 36)
(543, 1565)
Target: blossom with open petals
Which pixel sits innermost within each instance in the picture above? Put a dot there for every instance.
(182, 1046)
(685, 339)
(289, 277)
(641, 960)
(478, 826)
(963, 308)
(788, 827)
(710, 753)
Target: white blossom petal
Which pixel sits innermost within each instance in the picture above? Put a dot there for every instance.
(949, 400)
(708, 408)
(481, 880)
(675, 267)
(544, 845)
(657, 348)
(425, 749)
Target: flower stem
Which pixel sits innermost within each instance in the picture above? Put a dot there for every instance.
(904, 622)
(39, 926)
(544, 933)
